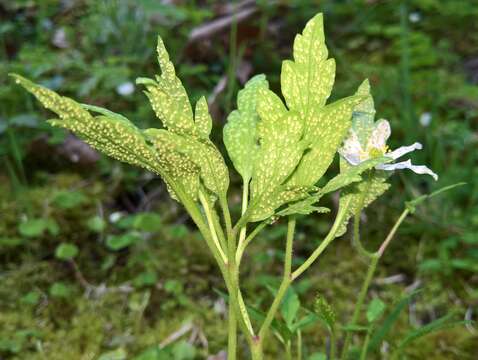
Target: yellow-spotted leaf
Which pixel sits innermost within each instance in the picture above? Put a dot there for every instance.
(204, 155)
(364, 114)
(180, 169)
(281, 147)
(187, 134)
(168, 97)
(203, 119)
(266, 206)
(325, 131)
(240, 132)
(307, 81)
(112, 133)
(361, 194)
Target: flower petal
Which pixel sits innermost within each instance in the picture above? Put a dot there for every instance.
(379, 136)
(402, 150)
(351, 149)
(418, 169)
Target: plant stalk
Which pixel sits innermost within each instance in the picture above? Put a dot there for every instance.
(286, 281)
(243, 231)
(323, 245)
(372, 266)
(374, 259)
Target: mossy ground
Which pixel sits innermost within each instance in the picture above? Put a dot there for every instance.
(121, 308)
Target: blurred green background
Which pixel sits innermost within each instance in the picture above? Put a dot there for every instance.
(96, 261)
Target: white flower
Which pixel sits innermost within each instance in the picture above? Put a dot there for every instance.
(414, 17)
(125, 89)
(354, 153)
(425, 119)
(116, 216)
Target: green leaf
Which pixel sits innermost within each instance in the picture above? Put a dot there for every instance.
(310, 68)
(306, 85)
(186, 139)
(113, 135)
(148, 222)
(375, 310)
(364, 114)
(33, 227)
(153, 353)
(304, 207)
(52, 227)
(168, 96)
(206, 157)
(411, 205)
(96, 224)
(326, 130)
(69, 199)
(259, 316)
(183, 351)
(290, 307)
(317, 356)
(203, 119)
(118, 354)
(264, 207)
(387, 324)
(352, 174)
(298, 143)
(147, 278)
(434, 326)
(304, 322)
(10, 242)
(180, 168)
(105, 112)
(355, 328)
(60, 290)
(240, 133)
(66, 251)
(178, 231)
(280, 133)
(325, 312)
(31, 298)
(362, 194)
(118, 242)
(281, 148)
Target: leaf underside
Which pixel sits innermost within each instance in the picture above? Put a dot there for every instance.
(362, 194)
(181, 153)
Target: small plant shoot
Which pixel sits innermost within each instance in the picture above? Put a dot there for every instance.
(281, 149)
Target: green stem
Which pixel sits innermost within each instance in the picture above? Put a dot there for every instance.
(252, 235)
(234, 283)
(232, 334)
(323, 245)
(243, 231)
(210, 221)
(392, 232)
(333, 344)
(286, 281)
(299, 345)
(374, 259)
(219, 230)
(361, 299)
(236, 300)
(204, 229)
(256, 350)
(356, 236)
(231, 241)
(288, 352)
(363, 353)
